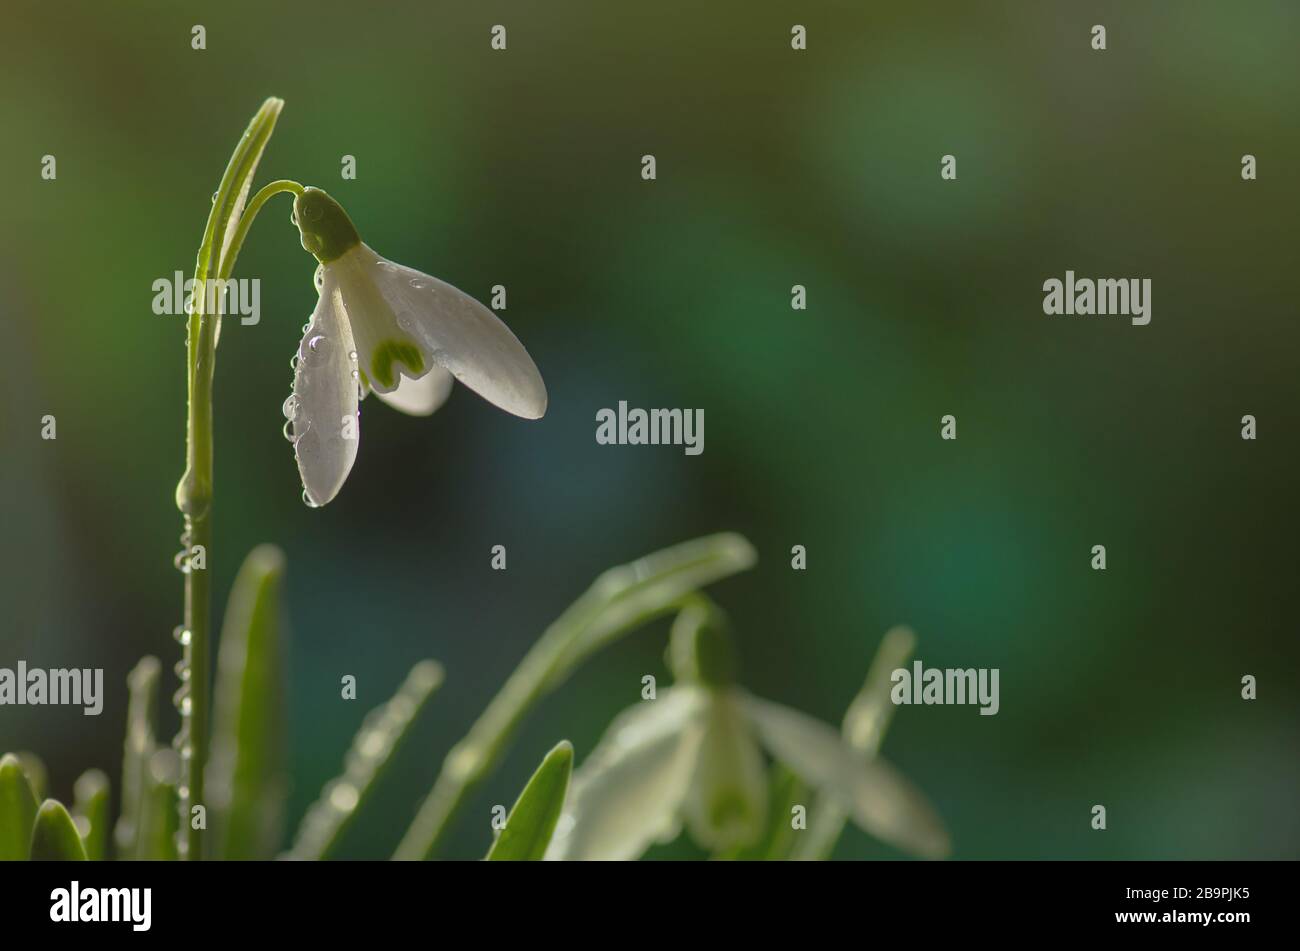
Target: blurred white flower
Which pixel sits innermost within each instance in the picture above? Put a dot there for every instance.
(693, 755)
(394, 330)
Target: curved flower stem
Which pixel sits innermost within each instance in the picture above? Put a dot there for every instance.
(246, 222)
(194, 492)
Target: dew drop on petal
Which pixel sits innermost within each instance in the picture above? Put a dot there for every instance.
(306, 442)
(181, 634)
(306, 499)
(318, 344)
(182, 561)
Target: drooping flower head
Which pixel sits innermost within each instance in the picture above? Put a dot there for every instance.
(693, 757)
(382, 327)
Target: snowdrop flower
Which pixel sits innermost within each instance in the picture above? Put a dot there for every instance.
(694, 754)
(387, 328)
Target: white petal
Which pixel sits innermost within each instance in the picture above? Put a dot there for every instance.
(457, 332)
(325, 397)
(727, 803)
(386, 350)
(628, 793)
(420, 397)
(873, 792)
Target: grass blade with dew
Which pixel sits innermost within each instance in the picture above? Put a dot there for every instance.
(865, 723)
(141, 742)
(246, 781)
(17, 810)
(54, 836)
(620, 600)
(532, 819)
(90, 812)
(372, 749)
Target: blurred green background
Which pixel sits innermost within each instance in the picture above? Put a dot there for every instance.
(775, 168)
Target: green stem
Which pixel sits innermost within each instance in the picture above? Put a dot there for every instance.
(194, 492)
(246, 222)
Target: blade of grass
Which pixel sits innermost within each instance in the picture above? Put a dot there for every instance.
(380, 736)
(17, 810)
(246, 782)
(140, 744)
(619, 601)
(532, 819)
(54, 837)
(90, 812)
(160, 812)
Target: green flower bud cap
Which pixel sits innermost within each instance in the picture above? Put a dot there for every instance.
(700, 648)
(327, 231)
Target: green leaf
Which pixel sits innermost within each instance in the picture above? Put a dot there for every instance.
(236, 182)
(246, 779)
(54, 836)
(160, 807)
(17, 810)
(37, 774)
(140, 744)
(620, 600)
(532, 820)
(372, 750)
(626, 597)
(90, 812)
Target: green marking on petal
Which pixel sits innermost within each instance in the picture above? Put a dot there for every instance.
(730, 810)
(390, 352)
